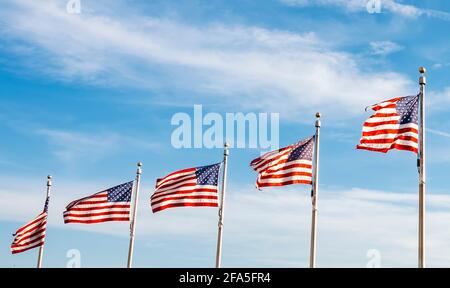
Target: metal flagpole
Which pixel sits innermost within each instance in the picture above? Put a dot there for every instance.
(315, 192)
(133, 220)
(41, 249)
(421, 163)
(222, 206)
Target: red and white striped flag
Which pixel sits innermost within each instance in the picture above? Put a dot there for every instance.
(393, 126)
(110, 205)
(286, 166)
(32, 235)
(188, 187)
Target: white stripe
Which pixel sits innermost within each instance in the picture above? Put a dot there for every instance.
(178, 186)
(388, 145)
(70, 217)
(99, 205)
(390, 127)
(88, 212)
(31, 239)
(382, 119)
(386, 111)
(167, 178)
(281, 172)
(185, 195)
(20, 248)
(213, 201)
(40, 219)
(391, 136)
(175, 182)
(284, 179)
(281, 165)
(183, 189)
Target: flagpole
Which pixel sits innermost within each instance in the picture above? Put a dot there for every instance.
(133, 221)
(422, 177)
(41, 249)
(226, 152)
(315, 194)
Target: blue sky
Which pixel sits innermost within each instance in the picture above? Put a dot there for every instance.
(86, 96)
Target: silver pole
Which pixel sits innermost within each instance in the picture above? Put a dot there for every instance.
(422, 177)
(222, 206)
(41, 249)
(133, 220)
(315, 194)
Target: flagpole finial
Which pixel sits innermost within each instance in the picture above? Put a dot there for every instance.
(49, 177)
(139, 170)
(422, 70)
(318, 115)
(49, 180)
(226, 145)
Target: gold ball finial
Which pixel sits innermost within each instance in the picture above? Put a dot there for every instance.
(422, 70)
(318, 115)
(49, 177)
(139, 164)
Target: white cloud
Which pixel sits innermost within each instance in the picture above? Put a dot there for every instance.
(269, 228)
(384, 48)
(247, 68)
(361, 6)
(71, 146)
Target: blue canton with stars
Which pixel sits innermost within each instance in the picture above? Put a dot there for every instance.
(303, 151)
(208, 175)
(408, 109)
(121, 193)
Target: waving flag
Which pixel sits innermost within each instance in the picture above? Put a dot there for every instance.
(188, 187)
(286, 166)
(32, 235)
(393, 126)
(110, 205)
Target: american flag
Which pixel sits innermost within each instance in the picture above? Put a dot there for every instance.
(110, 205)
(31, 235)
(286, 166)
(393, 126)
(188, 187)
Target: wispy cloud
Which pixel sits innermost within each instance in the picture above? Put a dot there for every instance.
(392, 6)
(265, 69)
(438, 132)
(72, 147)
(270, 228)
(384, 48)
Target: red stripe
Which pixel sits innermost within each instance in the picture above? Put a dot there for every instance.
(289, 166)
(385, 150)
(175, 188)
(379, 115)
(32, 247)
(67, 214)
(174, 173)
(176, 181)
(96, 221)
(375, 124)
(38, 218)
(161, 208)
(389, 140)
(36, 231)
(274, 159)
(40, 238)
(184, 198)
(99, 207)
(284, 183)
(390, 131)
(183, 192)
(270, 176)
